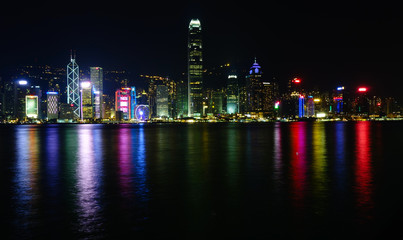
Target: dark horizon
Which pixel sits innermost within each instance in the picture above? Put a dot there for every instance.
(324, 45)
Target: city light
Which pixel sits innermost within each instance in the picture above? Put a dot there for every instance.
(316, 99)
(362, 89)
(340, 88)
(86, 84)
(52, 93)
(296, 80)
(276, 105)
(22, 82)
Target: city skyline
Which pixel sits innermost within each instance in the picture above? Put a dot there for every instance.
(343, 44)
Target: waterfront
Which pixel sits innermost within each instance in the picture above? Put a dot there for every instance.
(324, 180)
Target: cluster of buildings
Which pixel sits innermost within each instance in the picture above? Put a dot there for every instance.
(72, 95)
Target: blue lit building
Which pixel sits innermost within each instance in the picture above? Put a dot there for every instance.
(301, 106)
(133, 103)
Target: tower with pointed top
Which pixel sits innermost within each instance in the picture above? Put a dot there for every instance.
(195, 70)
(73, 83)
(254, 89)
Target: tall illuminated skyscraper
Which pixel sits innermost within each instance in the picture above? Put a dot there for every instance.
(86, 98)
(254, 89)
(52, 105)
(232, 94)
(162, 101)
(73, 86)
(98, 86)
(195, 70)
(123, 102)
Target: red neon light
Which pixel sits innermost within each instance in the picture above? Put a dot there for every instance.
(378, 104)
(362, 89)
(296, 80)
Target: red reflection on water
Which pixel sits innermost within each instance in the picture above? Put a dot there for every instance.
(298, 161)
(363, 167)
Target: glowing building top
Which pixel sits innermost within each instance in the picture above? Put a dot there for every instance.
(255, 69)
(194, 23)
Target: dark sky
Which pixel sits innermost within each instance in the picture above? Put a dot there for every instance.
(324, 44)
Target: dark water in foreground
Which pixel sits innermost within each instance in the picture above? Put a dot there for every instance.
(280, 180)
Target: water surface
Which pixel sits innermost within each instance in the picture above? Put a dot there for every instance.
(281, 180)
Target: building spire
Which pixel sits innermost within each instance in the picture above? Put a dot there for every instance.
(72, 54)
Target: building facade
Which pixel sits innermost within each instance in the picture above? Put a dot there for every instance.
(254, 89)
(195, 70)
(96, 79)
(123, 103)
(52, 105)
(232, 94)
(73, 86)
(162, 101)
(86, 100)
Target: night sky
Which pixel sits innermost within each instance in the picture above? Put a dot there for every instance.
(324, 44)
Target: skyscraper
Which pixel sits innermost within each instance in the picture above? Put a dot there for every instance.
(254, 89)
(31, 106)
(98, 86)
(232, 94)
(86, 98)
(123, 103)
(162, 101)
(52, 105)
(73, 86)
(195, 69)
(133, 102)
(21, 89)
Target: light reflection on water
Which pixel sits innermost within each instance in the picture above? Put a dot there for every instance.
(98, 179)
(88, 182)
(26, 179)
(363, 176)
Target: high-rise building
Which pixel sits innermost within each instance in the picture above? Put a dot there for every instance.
(86, 100)
(73, 86)
(254, 89)
(133, 102)
(52, 105)
(232, 94)
(21, 89)
(182, 99)
(195, 69)
(98, 86)
(270, 95)
(162, 101)
(36, 90)
(123, 103)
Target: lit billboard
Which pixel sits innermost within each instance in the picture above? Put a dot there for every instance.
(31, 106)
